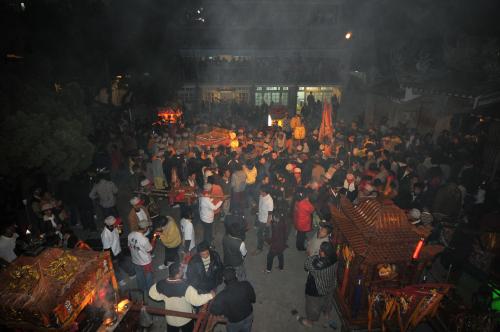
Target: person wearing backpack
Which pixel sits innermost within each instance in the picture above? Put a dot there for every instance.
(170, 237)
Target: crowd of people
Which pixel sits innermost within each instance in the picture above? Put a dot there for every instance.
(288, 183)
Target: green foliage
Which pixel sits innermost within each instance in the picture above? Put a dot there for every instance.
(49, 134)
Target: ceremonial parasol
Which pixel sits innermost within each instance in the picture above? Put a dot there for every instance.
(326, 127)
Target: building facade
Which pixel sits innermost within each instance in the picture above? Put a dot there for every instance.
(264, 52)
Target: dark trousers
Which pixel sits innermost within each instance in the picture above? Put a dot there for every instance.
(244, 325)
(189, 327)
(171, 255)
(270, 260)
(300, 243)
(262, 231)
(207, 232)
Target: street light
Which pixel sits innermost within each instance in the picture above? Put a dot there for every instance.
(348, 35)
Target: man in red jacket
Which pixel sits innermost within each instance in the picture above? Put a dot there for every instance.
(302, 218)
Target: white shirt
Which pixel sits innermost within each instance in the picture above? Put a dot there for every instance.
(105, 191)
(187, 230)
(243, 249)
(7, 245)
(140, 248)
(207, 209)
(111, 240)
(266, 205)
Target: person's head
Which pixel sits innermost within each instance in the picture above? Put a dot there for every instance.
(192, 176)
(327, 250)
(207, 188)
(8, 229)
(234, 229)
(229, 275)
(71, 241)
(143, 225)
(264, 191)
(203, 249)
(418, 188)
(324, 230)
(186, 213)
(385, 165)
(262, 160)
(174, 271)
(110, 222)
(136, 203)
(47, 209)
(227, 173)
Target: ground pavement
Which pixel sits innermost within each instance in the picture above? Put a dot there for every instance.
(278, 293)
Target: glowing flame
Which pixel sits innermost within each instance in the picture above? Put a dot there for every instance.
(28, 232)
(108, 321)
(348, 35)
(122, 306)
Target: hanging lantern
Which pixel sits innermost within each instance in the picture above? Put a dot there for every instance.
(234, 143)
(299, 132)
(418, 249)
(295, 122)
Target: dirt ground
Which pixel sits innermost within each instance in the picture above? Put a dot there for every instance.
(278, 293)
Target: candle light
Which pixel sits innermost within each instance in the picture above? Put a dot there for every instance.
(418, 248)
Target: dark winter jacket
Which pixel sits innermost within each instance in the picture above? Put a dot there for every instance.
(278, 237)
(205, 281)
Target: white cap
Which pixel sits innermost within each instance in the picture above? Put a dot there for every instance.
(145, 183)
(414, 214)
(110, 221)
(135, 200)
(143, 224)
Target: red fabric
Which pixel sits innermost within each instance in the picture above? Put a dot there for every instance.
(148, 268)
(302, 217)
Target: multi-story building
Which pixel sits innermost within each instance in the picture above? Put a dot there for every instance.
(265, 51)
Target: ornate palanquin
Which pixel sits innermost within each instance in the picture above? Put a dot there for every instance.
(49, 291)
(375, 244)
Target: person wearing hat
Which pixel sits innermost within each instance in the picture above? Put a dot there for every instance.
(207, 212)
(323, 235)
(51, 224)
(414, 216)
(179, 296)
(140, 251)
(137, 213)
(235, 303)
(110, 238)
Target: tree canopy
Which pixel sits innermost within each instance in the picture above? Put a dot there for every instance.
(47, 133)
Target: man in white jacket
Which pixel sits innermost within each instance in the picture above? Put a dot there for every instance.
(178, 295)
(207, 212)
